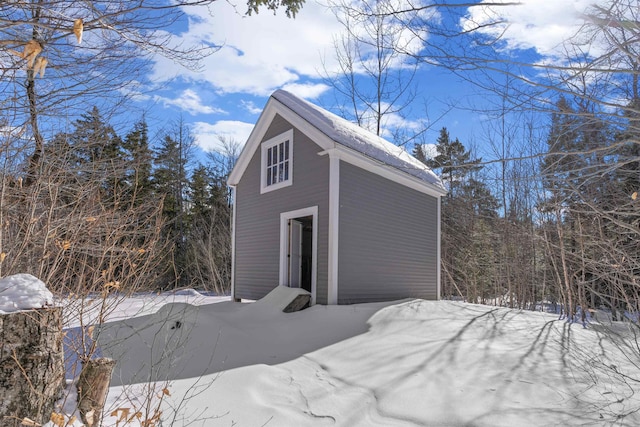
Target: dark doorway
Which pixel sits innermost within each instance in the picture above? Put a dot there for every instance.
(300, 255)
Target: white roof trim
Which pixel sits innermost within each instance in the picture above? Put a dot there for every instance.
(272, 108)
(328, 144)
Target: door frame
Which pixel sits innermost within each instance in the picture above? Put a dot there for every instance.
(296, 237)
(284, 245)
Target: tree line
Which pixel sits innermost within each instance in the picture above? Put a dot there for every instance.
(560, 228)
(111, 212)
(542, 203)
(548, 213)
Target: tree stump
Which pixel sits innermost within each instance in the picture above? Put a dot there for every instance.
(93, 386)
(31, 365)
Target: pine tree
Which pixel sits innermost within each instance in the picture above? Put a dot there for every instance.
(468, 213)
(97, 154)
(209, 242)
(453, 161)
(171, 186)
(418, 153)
(139, 164)
(200, 192)
(561, 163)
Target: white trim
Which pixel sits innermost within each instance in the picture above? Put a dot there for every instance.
(439, 260)
(233, 244)
(334, 228)
(356, 158)
(276, 140)
(376, 167)
(284, 243)
(272, 108)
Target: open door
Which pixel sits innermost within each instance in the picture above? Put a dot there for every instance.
(300, 253)
(298, 249)
(295, 253)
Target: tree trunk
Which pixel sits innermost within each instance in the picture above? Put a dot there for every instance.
(93, 386)
(31, 365)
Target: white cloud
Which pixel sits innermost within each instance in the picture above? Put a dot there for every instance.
(308, 90)
(251, 107)
(190, 102)
(370, 21)
(133, 90)
(392, 123)
(260, 53)
(208, 135)
(543, 25)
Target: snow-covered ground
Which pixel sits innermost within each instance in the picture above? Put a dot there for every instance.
(194, 360)
(403, 363)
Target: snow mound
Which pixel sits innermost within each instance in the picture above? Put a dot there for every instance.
(186, 293)
(23, 292)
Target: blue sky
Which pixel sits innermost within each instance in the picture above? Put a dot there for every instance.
(263, 52)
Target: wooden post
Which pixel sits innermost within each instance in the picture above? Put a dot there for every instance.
(31, 365)
(93, 386)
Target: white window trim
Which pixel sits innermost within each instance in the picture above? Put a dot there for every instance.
(284, 245)
(264, 188)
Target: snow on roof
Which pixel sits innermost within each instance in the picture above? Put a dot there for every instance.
(23, 292)
(353, 136)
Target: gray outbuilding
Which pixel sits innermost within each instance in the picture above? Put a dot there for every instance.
(324, 205)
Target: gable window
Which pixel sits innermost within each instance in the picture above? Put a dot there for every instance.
(277, 162)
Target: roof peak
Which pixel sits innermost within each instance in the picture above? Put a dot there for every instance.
(350, 135)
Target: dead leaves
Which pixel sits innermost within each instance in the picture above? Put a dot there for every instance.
(33, 48)
(152, 419)
(64, 245)
(30, 52)
(78, 27)
(59, 420)
(112, 285)
(634, 196)
(40, 65)
(123, 415)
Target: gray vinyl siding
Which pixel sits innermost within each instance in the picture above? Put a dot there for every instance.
(257, 245)
(387, 239)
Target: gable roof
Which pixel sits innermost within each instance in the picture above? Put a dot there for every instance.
(330, 131)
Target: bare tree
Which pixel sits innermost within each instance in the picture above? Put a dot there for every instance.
(374, 83)
(59, 57)
(209, 245)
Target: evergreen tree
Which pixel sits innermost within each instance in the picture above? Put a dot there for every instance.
(468, 214)
(139, 164)
(169, 177)
(199, 192)
(171, 186)
(97, 154)
(579, 191)
(418, 153)
(209, 243)
(453, 161)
